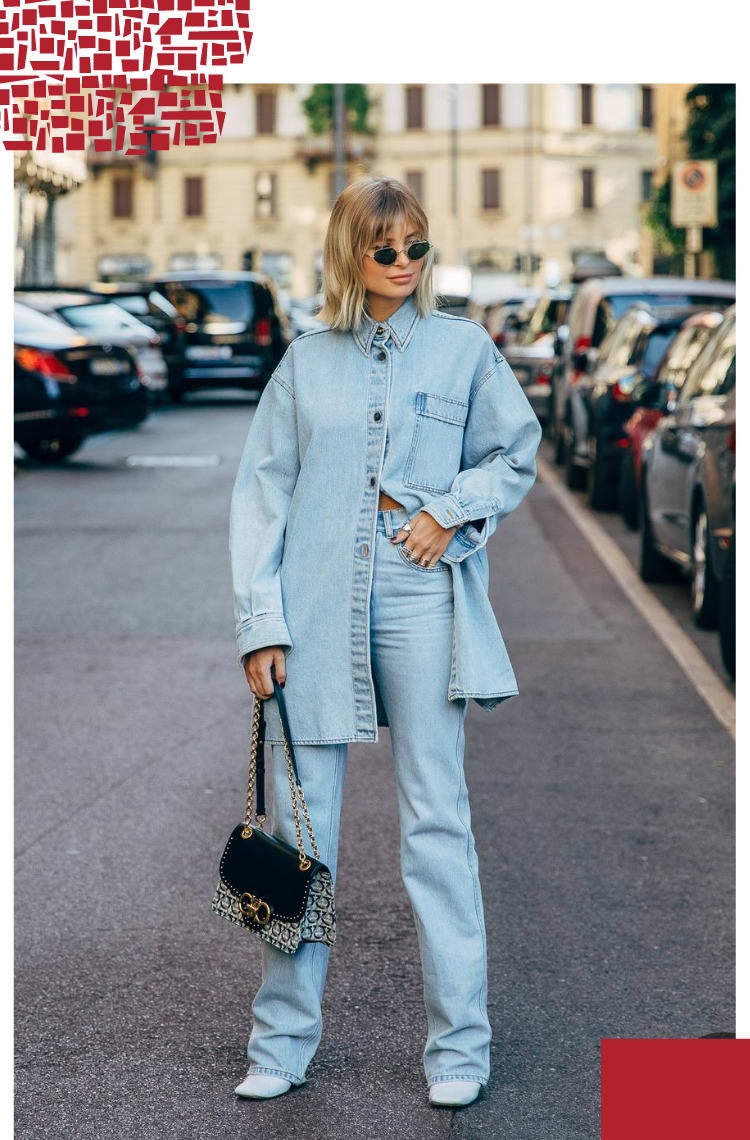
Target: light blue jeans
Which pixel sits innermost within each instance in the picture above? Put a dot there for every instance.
(411, 623)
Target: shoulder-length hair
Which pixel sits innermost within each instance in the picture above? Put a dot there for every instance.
(362, 217)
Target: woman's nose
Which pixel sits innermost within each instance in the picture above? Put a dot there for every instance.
(402, 259)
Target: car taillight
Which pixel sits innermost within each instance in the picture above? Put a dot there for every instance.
(34, 360)
(617, 393)
(543, 378)
(732, 438)
(179, 324)
(499, 338)
(263, 331)
(582, 344)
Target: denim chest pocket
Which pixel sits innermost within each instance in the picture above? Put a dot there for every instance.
(434, 457)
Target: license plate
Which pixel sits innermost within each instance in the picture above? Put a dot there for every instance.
(209, 352)
(104, 367)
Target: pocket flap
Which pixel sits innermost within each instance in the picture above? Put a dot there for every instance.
(442, 408)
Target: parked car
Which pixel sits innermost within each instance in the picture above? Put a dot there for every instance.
(652, 398)
(106, 322)
(728, 603)
(687, 479)
(144, 303)
(302, 314)
(533, 357)
(235, 330)
(629, 359)
(68, 387)
(506, 320)
(596, 307)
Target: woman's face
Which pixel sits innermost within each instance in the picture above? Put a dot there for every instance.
(393, 282)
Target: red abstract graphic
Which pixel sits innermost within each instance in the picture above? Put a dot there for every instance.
(123, 75)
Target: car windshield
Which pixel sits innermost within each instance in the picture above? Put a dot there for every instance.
(622, 301)
(212, 302)
(546, 318)
(99, 316)
(28, 322)
(657, 344)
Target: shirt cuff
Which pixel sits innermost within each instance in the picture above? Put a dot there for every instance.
(446, 510)
(262, 631)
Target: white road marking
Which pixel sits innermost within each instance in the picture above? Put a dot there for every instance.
(707, 682)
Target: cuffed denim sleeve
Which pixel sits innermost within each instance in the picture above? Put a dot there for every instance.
(501, 438)
(260, 500)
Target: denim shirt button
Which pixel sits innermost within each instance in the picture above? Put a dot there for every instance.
(381, 356)
(380, 330)
(364, 549)
(372, 480)
(377, 417)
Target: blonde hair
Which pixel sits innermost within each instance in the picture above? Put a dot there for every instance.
(361, 217)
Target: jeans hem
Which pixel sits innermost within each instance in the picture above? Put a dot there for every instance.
(287, 1074)
(483, 1080)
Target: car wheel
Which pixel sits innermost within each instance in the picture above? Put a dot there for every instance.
(654, 566)
(176, 393)
(51, 450)
(600, 490)
(575, 476)
(628, 491)
(558, 439)
(727, 612)
(704, 585)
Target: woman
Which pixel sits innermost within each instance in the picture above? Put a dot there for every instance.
(382, 454)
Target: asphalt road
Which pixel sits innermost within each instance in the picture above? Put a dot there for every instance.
(602, 806)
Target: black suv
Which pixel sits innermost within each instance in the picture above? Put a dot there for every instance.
(231, 330)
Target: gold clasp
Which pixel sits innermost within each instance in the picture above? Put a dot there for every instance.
(250, 905)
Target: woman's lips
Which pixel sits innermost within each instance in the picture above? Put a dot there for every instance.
(402, 278)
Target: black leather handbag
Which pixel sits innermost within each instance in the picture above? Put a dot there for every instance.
(271, 888)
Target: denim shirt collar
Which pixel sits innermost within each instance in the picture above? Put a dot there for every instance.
(400, 325)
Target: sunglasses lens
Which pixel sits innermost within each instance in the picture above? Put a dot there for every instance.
(385, 256)
(417, 250)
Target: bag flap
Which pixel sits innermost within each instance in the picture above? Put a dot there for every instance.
(268, 867)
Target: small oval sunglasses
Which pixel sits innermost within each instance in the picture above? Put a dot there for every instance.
(387, 255)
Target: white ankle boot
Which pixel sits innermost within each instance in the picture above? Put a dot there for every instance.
(262, 1085)
(454, 1092)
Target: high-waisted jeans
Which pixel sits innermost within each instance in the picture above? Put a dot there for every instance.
(411, 625)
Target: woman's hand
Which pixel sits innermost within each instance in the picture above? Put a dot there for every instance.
(257, 666)
(427, 540)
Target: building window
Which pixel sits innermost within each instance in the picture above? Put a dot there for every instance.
(491, 105)
(491, 190)
(194, 196)
(414, 107)
(265, 194)
(122, 197)
(415, 181)
(587, 104)
(647, 107)
(265, 112)
(587, 189)
(647, 177)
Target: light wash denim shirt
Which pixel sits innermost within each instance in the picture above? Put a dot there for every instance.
(462, 439)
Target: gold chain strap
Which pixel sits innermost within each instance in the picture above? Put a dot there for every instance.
(294, 788)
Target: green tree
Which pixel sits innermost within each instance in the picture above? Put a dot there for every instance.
(710, 133)
(318, 107)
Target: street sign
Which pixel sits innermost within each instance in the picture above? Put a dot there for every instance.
(694, 193)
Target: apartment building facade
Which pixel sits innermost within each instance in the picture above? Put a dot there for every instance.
(511, 175)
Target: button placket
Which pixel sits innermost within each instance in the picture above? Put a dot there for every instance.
(365, 707)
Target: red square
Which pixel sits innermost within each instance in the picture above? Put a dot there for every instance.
(686, 1088)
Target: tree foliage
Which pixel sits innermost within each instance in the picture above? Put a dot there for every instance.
(319, 108)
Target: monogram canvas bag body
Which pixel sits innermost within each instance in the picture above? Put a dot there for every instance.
(266, 885)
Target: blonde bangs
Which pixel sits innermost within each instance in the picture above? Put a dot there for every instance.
(362, 215)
